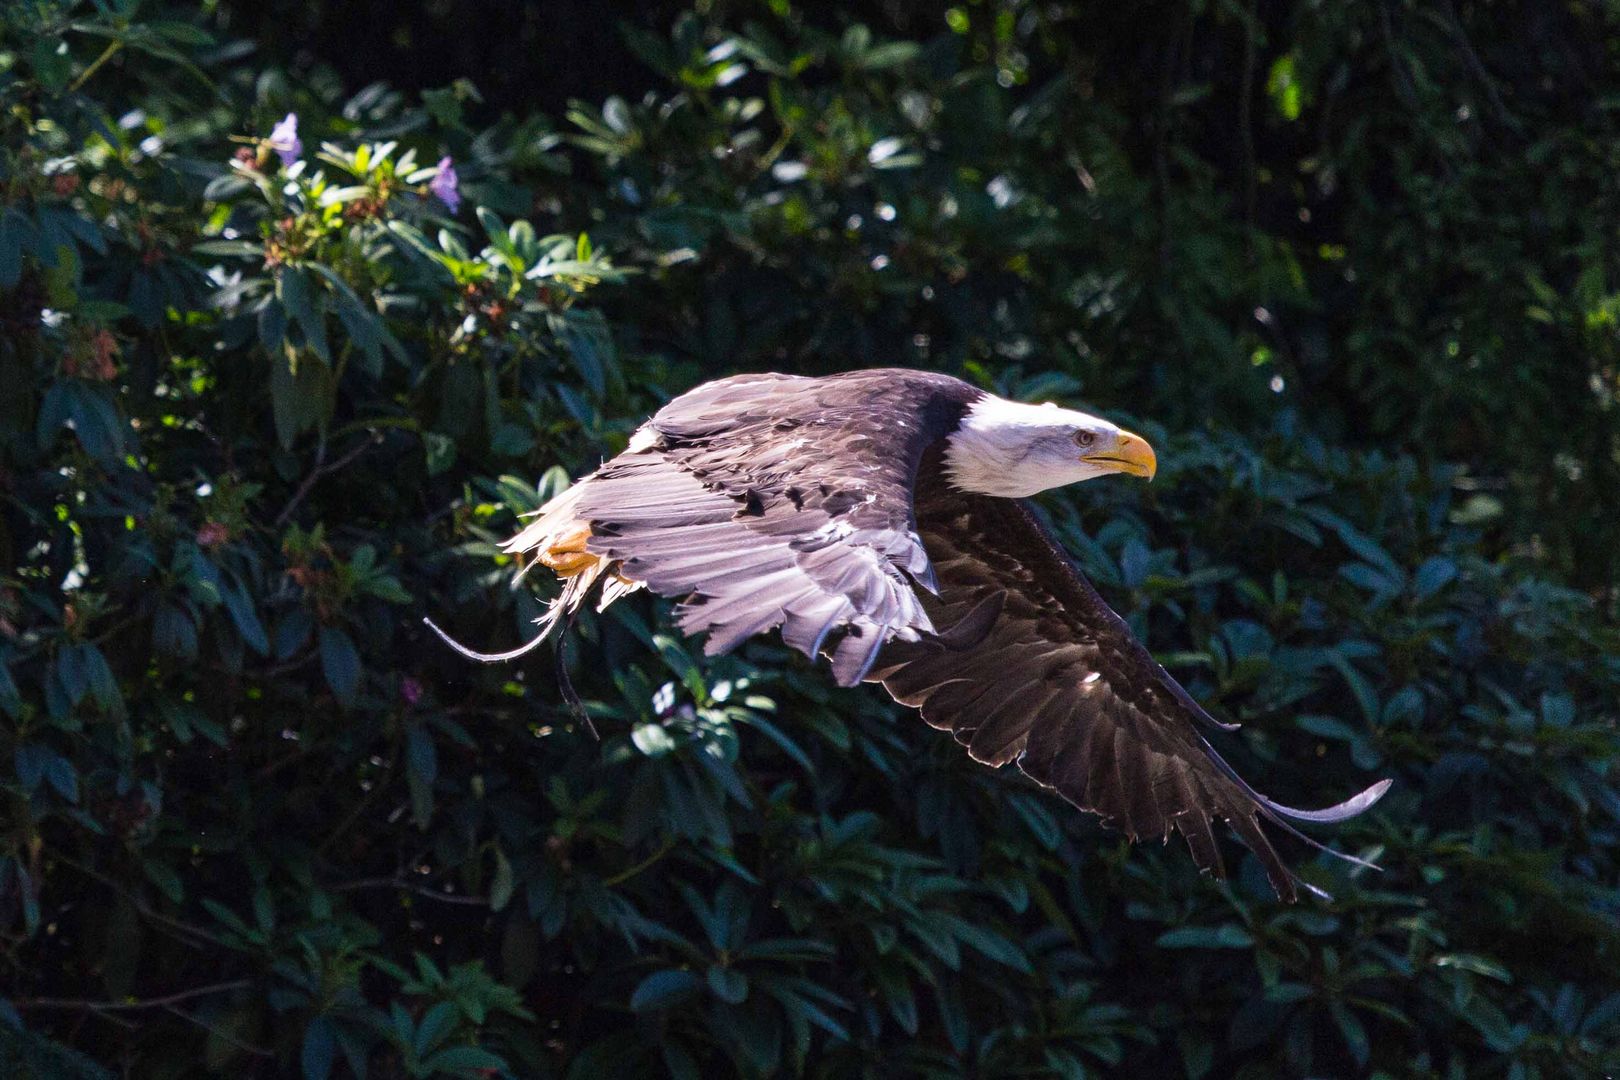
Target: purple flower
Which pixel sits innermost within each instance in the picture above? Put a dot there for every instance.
(444, 184)
(284, 140)
(411, 690)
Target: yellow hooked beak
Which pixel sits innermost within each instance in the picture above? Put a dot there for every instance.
(1129, 454)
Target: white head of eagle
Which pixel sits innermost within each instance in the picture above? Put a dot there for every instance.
(1013, 450)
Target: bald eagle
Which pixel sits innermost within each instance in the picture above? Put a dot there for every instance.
(877, 518)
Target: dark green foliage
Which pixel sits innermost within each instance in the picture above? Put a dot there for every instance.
(1348, 266)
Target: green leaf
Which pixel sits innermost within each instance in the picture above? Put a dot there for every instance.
(63, 777)
(500, 888)
(440, 450)
(1355, 1035)
(1479, 965)
(240, 606)
(242, 248)
(652, 739)
(663, 990)
(164, 877)
(1226, 936)
(437, 1025)
(51, 61)
(340, 662)
(320, 1049)
(728, 984)
(1365, 695)
(299, 396)
(420, 754)
(466, 1061)
(89, 411)
(987, 942)
(891, 54)
(16, 233)
(306, 306)
(30, 761)
(494, 227)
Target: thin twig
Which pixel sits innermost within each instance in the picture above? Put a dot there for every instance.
(319, 471)
(411, 887)
(95, 65)
(140, 905)
(625, 875)
(377, 788)
(1251, 32)
(1454, 27)
(123, 1006)
(214, 1029)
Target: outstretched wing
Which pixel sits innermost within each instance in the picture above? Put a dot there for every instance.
(770, 501)
(1056, 683)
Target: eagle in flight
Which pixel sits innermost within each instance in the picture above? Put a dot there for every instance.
(877, 518)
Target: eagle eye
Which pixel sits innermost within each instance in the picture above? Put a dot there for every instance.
(1084, 438)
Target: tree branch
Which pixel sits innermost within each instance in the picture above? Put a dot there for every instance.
(140, 1003)
(319, 471)
(144, 909)
(410, 887)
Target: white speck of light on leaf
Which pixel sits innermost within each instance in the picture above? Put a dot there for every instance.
(1262, 316)
(853, 223)
(204, 490)
(879, 262)
(885, 212)
(1277, 384)
(884, 149)
(664, 699)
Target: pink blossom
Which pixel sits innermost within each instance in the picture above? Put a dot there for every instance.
(445, 184)
(284, 139)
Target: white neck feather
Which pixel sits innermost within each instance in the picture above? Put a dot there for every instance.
(1012, 450)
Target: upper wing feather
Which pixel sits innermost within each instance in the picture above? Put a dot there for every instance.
(770, 501)
(1058, 684)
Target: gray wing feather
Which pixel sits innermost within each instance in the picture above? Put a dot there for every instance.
(773, 501)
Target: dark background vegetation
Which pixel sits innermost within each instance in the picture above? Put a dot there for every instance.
(1352, 267)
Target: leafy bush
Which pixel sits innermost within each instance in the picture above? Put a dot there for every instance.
(266, 405)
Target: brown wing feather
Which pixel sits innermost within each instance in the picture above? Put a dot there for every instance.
(1073, 698)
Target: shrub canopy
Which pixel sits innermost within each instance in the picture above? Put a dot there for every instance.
(282, 358)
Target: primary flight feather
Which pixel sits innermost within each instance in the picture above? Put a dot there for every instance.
(876, 518)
